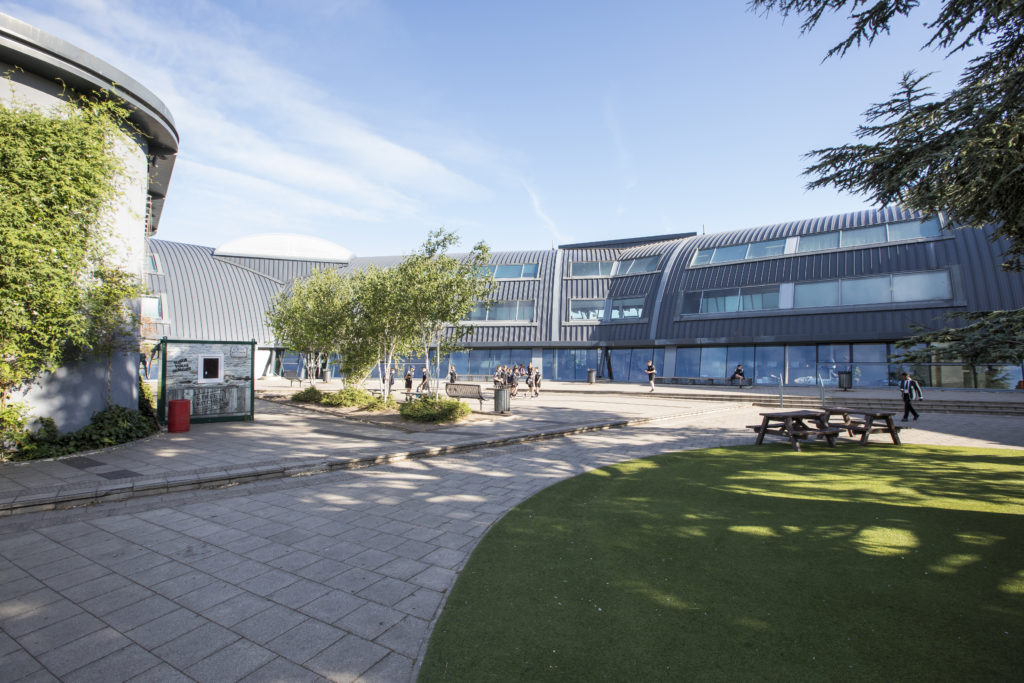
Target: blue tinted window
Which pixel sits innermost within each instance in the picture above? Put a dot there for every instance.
(688, 362)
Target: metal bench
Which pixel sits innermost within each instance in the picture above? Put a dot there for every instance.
(464, 390)
(292, 376)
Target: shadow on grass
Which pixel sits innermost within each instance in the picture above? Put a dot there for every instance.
(752, 563)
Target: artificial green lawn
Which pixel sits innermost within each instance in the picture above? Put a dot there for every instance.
(752, 563)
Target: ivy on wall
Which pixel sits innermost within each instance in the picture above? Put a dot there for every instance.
(58, 183)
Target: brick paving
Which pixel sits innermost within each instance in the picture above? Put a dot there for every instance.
(336, 576)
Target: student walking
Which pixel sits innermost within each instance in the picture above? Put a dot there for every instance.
(536, 382)
(651, 373)
(425, 384)
(909, 390)
(408, 382)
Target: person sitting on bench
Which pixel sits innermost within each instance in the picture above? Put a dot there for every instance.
(737, 374)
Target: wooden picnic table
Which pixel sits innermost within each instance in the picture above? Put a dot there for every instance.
(796, 425)
(866, 422)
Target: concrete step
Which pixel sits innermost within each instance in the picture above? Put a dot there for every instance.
(896, 405)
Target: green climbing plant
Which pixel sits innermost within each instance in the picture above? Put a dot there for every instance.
(59, 180)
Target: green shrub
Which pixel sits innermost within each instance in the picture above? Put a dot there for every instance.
(380, 403)
(430, 409)
(347, 397)
(308, 395)
(109, 427)
(12, 428)
(146, 404)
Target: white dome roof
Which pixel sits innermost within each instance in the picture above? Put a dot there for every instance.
(285, 246)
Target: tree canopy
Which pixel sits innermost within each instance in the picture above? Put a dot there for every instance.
(372, 316)
(961, 153)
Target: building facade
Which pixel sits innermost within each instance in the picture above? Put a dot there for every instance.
(795, 302)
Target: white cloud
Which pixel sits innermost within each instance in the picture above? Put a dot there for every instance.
(538, 210)
(250, 127)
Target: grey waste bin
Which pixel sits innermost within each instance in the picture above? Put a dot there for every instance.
(591, 375)
(845, 379)
(502, 400)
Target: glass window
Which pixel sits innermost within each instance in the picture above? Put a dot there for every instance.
(151, 307)
(586, 359)
(819, 242)
(762, 249)
(591, 268)
(502, 310)
(833, 353)
(513, 271)
(688, 362)
(586, 309)
(760, 298)
(525, 311)
(740, 355)
(691, 302)
(870, 368)
(909, 230)
(720, 301)
(734, 253)
(865, 290)
(618, 364)
(701, 257)
(712, 362)
(488, 270)
(638, 363)
(921, 286)
(769, 362)
(814, 294)
(151, 264)
(627, 308)
(478, 312)
(638, 265)
(800, 365)
(508, 272)
(859, 236)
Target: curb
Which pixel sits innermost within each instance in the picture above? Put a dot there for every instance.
(91, 493)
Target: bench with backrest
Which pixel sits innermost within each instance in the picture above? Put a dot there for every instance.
(292, 376)
(709, 381)
(465, 390)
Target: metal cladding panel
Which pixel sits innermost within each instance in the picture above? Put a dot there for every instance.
(281, 270)
(538, 290)
(969, 254)
(207, 298)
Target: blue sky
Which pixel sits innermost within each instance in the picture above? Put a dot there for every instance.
(522, 124)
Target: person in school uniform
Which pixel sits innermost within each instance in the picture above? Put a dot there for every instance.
(909, 391)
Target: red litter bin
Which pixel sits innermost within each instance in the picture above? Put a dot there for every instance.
(178, 413)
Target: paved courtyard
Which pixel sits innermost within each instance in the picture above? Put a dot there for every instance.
(335, 576)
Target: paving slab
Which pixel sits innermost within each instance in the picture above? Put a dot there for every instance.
(331, 576)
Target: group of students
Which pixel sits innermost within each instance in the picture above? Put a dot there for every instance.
(510, 376)
(424, 384)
